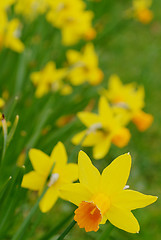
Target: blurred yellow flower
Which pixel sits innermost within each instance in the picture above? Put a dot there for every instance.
(10, 33)
(84, 66)
(142, 11)
(2, 103)
(61, 174)
(48, 79)
(102, 197)
(72, 19)
(102, 129)
(30, 8)
(130, 98)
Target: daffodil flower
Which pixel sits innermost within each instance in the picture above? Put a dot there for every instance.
(61, 174)
(73, 20)
(84, 66)
(142, 11)
(102, 197)
(102, 130)
(128, 102)
(48, 79)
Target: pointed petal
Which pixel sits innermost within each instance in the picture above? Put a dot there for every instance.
(130, 199)
(88, 118)
(75, 193)
(49, 199)
(123, 219)
(41, 162)
(101, 149)
(115, 176)
(33, 181)
(105, 112)
(59, 156)
(88, 174)
(70, 173)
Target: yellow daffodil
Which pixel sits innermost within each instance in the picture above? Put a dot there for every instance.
(30, 8)
(130, 98)
(84, 66)
(72, 19)
(102, 129)
(103, 197)
(49, 78)
(142, 11)
(2, 103)
(9, 37)
(62, 174)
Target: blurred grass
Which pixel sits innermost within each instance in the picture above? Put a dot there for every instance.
(124, 47)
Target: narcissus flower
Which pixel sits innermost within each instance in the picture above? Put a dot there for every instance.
(102, 197)
(72, 19)
(61, 174)
(48, 79)
(102, 129)
(30, 8)
(84, 66)
(141, 11)
(2, 103)
(130, 98)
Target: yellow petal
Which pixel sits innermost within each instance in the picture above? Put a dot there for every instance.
(123, 219)
(75, 193)
(70, 172)
(130, 199)
(41, 162)
(49, 199)
(101, 149)
(115, 176)
(33, 181)
(59, 156)
(105, 112)
(89, 140)
(88, 118)
(88, 174)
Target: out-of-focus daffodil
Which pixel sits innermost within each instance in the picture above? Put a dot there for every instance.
(48, 79)
(102, 129)
(103, 197)
(61, 174)
(140, 11)
(2, 103)
(72, 19)
(31, 8)
(130, 98)
(84, 66)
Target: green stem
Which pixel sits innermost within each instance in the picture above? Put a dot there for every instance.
(25, 223)
(4, 127)
(67, 230)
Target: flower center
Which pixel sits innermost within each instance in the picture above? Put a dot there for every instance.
(53, 179)
(89, 214)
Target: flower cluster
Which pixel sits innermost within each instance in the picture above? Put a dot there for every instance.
(81, 67)
(119, 105)
(99, 197)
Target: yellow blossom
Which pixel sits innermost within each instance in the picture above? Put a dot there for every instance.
(72, 19)
(9, 37)
(2, 103)
(84, 66)
(102, 197)
(142, 11)
(30, 8)
(130, 98)
(102, 129)
(49, 78)
(61, 174)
